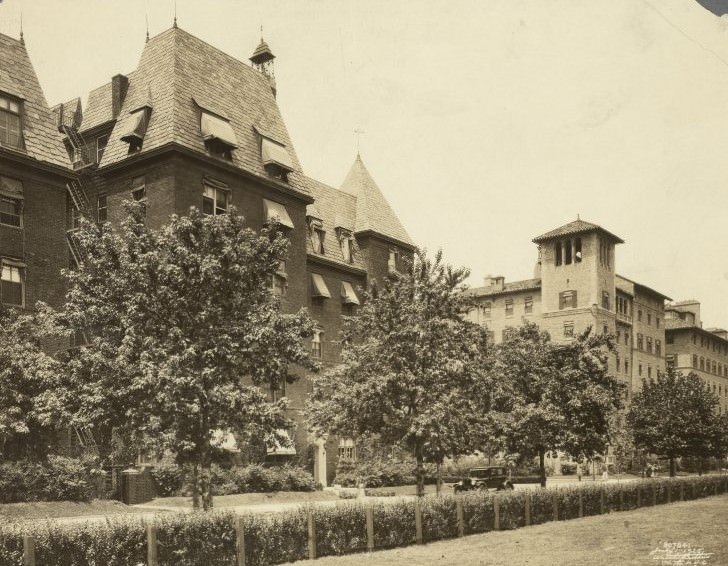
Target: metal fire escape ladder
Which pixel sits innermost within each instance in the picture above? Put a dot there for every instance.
(80, 201)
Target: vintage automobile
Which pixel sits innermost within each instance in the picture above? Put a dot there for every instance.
(483, 479)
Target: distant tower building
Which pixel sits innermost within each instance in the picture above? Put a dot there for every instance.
(262, 60)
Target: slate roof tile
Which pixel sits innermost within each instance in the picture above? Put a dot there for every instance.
(43, 141)
(373, 212)
(511, 287)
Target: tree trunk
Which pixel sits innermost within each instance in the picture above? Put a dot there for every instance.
(420, 471)
(195, 487)
(439, 478)
(542, 466)
(206, 464)
(672, 466)
(700, 466)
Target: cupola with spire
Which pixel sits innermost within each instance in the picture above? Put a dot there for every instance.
(262, 60)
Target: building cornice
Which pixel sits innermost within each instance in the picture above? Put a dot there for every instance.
(322, 260)
(388, 239)
(22, 158)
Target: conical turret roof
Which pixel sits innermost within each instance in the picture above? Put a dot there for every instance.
(373, 212)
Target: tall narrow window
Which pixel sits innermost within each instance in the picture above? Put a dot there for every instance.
(138, 188)
(101, 143)
(346, 241)
(10, 122)
(577, 250)
(639, 341)
(658, 347)
(605, 300)
(12, 290)
(317, 344)
(558, 253)
(101, 208)
(393, 260)
(487, 307)
(567, 252)
(279, 280)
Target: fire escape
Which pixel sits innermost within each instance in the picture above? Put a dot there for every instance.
(68, 123)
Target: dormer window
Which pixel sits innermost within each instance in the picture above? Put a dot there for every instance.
(276, 211)
(317, 235)
(346, 241)
(135, 129)
(276, 159)
(217, 132)
(10, 130)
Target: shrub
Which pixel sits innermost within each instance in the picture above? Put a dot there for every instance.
(56, 479)
(569, 468)
(190, 540)
(169, 478)
(377, 473)
(340, 529)
(394, 524)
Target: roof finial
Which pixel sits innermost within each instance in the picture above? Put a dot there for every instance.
(174, 23)
(261, 32)
(146, 19)
(22, 39)
(577, 216)
(358, 133)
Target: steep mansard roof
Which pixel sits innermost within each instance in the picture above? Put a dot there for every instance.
(184, 74)
(373, 212)
(576, 227)
(42, 141)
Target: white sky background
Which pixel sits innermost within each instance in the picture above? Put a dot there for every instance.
(488, 122)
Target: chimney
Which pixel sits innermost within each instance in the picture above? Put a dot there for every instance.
(119, 85)
(495, 282)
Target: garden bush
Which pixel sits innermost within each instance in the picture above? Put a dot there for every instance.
(169, 478)
(55, 479)
(378, 473)
(340, 529)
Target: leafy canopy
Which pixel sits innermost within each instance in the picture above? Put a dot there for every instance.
(412, 366)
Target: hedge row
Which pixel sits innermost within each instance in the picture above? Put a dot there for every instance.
(55, 479)
(203, 539)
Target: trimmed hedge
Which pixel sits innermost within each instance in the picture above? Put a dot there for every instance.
(203, 539)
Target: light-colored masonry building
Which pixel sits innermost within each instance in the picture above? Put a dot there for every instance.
(576, 286)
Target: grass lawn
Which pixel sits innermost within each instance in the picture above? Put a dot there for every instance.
(624, 538)
(221, 501)
(52, 509)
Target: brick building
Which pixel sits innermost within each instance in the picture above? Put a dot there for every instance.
(576, 286)
(190, 126)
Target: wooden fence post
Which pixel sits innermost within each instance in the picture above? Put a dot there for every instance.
(682, 491)
(28, 551)
(621, 499)
(528, 509)
(152, 553)
(311, 535)
(669, 492)
(496, 512)
(461, 521)
(715, 488)
(556, 505)
(654, 495)
(639, 496)
(601, 500)
(418, 522)
(240, 536)
(370, 529)
(581, 504)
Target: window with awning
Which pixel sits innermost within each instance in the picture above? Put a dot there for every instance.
(277, 211)
(318, 287)
(273, 153)
(215, 128)
(347, 294)
(136, 127)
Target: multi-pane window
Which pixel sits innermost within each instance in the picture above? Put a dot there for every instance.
(138, 188)
(509, 307)
(605, 300)
(567, 300)
(11, 285)
(11, 211)
(279, 280)
(316, 344)
(278, 390)
(639, 341)
(528, 305)
(10, 122)
(658, 347)
(347, 449)
(649, 344)
(568, 329)
(347, 247)
(215, 201)
(101, 208)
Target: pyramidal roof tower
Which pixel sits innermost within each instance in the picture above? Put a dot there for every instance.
(373, 212)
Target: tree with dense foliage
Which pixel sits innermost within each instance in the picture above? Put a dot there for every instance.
(413, 369)
(677, 415)
(554, 397)
(183, 329)
(28, 378)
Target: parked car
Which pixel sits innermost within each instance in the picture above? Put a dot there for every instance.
(483, 479)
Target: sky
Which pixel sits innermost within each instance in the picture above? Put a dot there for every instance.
(487, 122)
